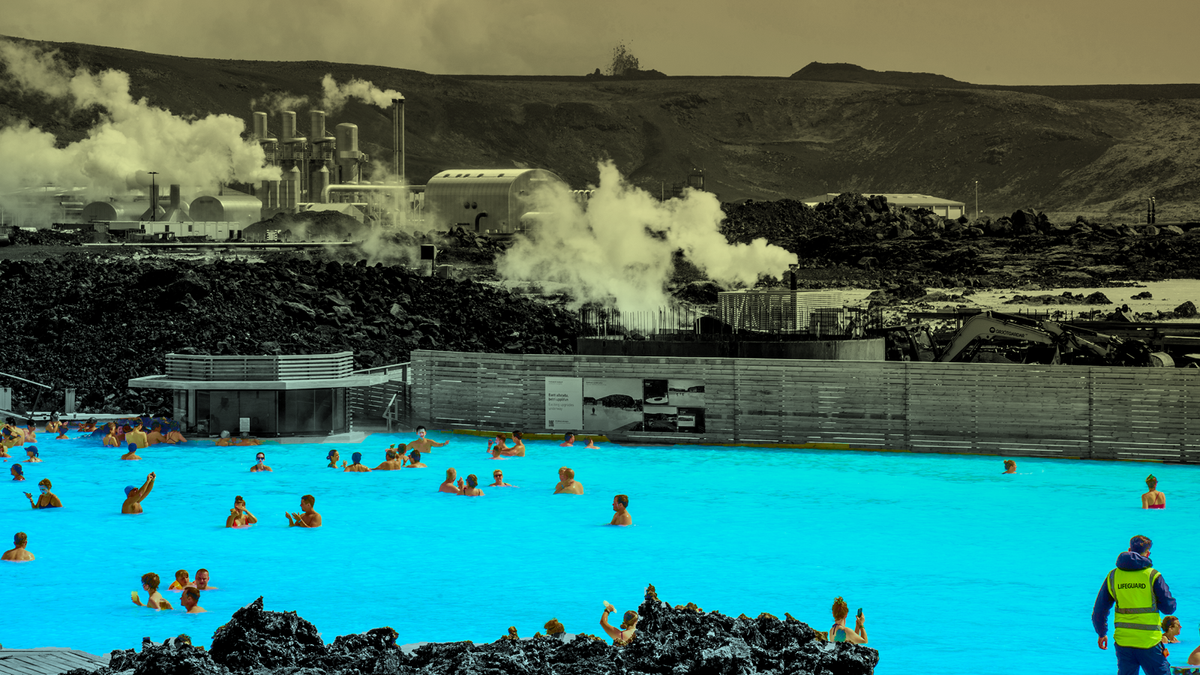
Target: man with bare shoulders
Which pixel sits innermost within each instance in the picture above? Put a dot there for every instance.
(202, 581)
(518, 448)
(134, 496)
(155, 436)
(309, 517)
(137, 437)
(424, 444)
(356, 465)
(448, 484)
(567, 485)
(620, 515)
(414, 460)
(497, 446)
(191, 600)
(132, 454)
(18, 553)
(1153, 499)
(392, 463)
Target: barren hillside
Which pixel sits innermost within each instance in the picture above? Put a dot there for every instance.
(1092, 150)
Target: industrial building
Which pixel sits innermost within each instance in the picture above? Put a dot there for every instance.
(485, 201)
(946, 208)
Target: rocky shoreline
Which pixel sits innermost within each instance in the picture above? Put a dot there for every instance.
(680, 639)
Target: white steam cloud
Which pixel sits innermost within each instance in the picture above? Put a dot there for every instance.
(618, 250)
(278, 101)
(336, 95)
(130, 135)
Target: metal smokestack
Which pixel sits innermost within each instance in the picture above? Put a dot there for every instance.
(260, 126)
(289, 125)
(317, 128)
(398, 136)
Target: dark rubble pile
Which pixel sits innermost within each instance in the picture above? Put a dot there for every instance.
(669, 640)
(93, 323)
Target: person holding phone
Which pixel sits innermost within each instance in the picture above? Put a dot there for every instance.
(838, 632)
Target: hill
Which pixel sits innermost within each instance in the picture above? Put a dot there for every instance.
(1091, 150)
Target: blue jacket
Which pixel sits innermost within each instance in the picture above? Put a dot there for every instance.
(1104, 600)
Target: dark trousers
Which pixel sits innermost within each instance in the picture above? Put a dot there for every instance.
(1151, 661)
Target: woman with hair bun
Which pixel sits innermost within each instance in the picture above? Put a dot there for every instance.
(471, 488)
(1153, 499)
(628, 628)
(838, 632)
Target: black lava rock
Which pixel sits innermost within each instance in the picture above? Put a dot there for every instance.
(669, 640)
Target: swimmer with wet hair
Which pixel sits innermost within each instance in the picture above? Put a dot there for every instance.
(134, 496)
(470, 488)
(110, 438)
(258, 463)
(448, 484)
(424, 444)
(191, 600)
(137, 436)
(356, 465)
(568, 440)
(497, 446)
(181, 581)
(518, 447)
(18, 553)
(309, 517)
(1010, 466)
(1153, 499)
(238, 515)
(393, 461)
(132, 454)
(154, 600)
(174, 435)
(17, 472)
(591, 445)
(30, 432)
(567, 485)
(201, 582)
(333, 458)
(155, 436)
(621, 515)
(47, 500)
(414, 460)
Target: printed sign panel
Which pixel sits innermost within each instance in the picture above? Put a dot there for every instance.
(612, 403)
(564, 403)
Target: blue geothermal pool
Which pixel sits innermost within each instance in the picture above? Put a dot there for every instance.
(957, 567)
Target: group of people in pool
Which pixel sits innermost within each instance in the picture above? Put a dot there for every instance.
(189, 591)
(1153, 498)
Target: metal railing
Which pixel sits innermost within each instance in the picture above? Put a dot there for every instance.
(207, 368)
(684, 324)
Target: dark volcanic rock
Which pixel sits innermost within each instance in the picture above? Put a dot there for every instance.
(255, 638)
(684, 639)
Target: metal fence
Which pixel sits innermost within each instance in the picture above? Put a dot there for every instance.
(683, 324)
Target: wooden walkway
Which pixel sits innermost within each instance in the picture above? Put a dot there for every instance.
(47, 661)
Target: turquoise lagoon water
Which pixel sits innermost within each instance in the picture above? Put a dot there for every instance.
(958, 568)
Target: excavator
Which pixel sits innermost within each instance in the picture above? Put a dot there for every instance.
(1009, 338)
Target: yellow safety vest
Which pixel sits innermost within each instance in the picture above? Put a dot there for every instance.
(1137, 622)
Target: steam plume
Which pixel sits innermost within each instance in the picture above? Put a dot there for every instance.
(618, 251)
(130, 136)
(278, 101)
(336, 94)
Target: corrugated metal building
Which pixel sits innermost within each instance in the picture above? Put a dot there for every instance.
(484, 201)
(947, 208)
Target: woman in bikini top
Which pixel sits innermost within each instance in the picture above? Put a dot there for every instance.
(628, 629)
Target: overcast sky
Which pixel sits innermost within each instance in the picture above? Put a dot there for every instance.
(992, 42)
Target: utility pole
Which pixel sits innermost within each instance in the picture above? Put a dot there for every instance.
(976, 200)
(153, 196)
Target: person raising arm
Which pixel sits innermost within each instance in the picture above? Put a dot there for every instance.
(134, 496)
(47, 500)
(309, 517)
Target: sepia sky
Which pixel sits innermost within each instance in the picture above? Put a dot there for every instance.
(993, 42)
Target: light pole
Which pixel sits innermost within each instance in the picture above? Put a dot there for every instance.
(153, 196)
(976, 200)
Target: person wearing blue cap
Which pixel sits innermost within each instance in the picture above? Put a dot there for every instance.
(31, 453)
(134, 496)
(356, 465)
(132, 454)
(1140, 593)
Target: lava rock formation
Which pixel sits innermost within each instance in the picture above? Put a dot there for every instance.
(668, 640)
